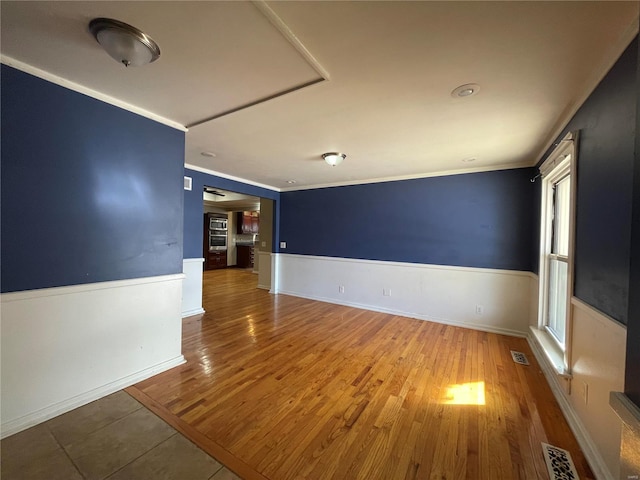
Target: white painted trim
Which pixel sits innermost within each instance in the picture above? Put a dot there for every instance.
(561, 162)
(287, 33)
(414, 265)
(442, 173)
(229, 177)
(552, 351)
(597, 74)
(591, 453)
(596, 314)
(193, 260)
(275, 273)
(22, 423)
(88, 287)
(76, 87)
(428, 318)
(191, 313)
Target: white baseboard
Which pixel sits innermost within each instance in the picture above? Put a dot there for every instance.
(190, 313)
(482, 299)
(589, 448)
(22, 423)
(402, 313)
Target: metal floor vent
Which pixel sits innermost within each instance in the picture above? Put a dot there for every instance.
(559, 463)
(519, 357)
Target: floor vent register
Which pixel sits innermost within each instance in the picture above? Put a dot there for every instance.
(519, 357)
(559, 463)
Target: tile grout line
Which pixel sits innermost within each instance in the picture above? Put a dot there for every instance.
(64, 450)
(141, 455)
(195, 436)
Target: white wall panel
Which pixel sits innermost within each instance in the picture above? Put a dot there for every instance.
(443, 294)
(192, 286)
(64, 347)
(597, 362)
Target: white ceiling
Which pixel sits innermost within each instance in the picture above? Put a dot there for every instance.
(370, 79)
(230, 201)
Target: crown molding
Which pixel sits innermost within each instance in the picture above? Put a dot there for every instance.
(76, 87)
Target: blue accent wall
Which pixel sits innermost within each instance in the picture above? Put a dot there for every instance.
(474, 220)
(607, 125)
(632, 370)
(194, 206)
(90, 192)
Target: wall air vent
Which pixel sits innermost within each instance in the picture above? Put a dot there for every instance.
(188, 183)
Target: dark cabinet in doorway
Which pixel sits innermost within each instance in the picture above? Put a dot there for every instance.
(248, 222)
(244, 256)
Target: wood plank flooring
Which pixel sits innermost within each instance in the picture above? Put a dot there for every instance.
(278, 387)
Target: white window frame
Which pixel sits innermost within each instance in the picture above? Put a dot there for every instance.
(561, 162)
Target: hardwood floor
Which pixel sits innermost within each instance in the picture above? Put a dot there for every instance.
(280, 387)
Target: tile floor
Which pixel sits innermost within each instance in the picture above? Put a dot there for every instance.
(113, 438)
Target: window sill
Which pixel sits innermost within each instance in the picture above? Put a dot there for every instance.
(553, 352)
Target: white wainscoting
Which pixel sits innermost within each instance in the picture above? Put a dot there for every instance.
(192, 286)
(67, 346)
(442, 294)
(598, 360)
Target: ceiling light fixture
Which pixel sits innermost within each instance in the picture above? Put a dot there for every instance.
(334, 158)
(466, 90)
(124, 43)
(208, 154)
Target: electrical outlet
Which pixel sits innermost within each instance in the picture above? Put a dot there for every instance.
(386, 292)
(479, 310)
(341, 289)
(263, 244)
(283, 244)
(585, 392)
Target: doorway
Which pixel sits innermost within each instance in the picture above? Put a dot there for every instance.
(237, 233)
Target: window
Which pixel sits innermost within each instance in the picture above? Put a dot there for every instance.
(557, 260)
(556, 254)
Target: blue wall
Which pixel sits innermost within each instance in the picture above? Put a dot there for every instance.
(607, 125)
(90, 192)
(472, 220)
(194, 207)
(632, 370)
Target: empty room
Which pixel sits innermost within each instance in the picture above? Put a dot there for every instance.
(275, 240)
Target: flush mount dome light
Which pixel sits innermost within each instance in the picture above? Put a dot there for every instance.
(334, 158)
(124, 43)
(466, 90)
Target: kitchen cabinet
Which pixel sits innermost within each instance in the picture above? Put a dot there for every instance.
(248, 222)
(215, 260)
(245, 256)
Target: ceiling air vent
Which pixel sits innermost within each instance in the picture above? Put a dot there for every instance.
(188, 182)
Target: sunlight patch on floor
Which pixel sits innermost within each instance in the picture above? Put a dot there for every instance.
(465, 394)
